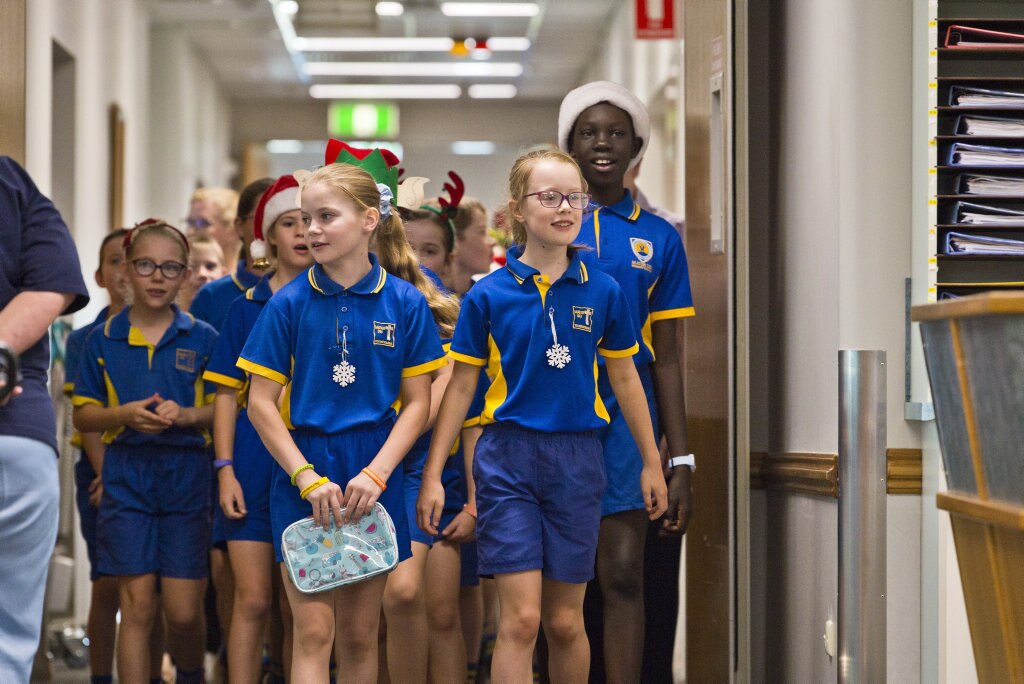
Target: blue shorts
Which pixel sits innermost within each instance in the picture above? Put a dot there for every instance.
(622, 460)
(254, 467)
(87, 514)
(538, 498)
(339, 457)
(451, 480)
(155, 513)
(469, 575)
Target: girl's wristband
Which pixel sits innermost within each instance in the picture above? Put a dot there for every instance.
(377, 479)
(311, 486)
(471, 509)
(308, 466)
(219, 463)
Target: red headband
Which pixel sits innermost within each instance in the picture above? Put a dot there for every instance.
(133, 232)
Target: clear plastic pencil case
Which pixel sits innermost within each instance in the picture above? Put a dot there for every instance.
(321, 559)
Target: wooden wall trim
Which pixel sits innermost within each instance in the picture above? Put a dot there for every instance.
(802, 473)
(12, 79)
(903, 471)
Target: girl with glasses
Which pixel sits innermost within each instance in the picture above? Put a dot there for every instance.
(140, 383)
(541, 323)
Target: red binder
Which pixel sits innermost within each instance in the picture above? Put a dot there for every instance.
(969, 37)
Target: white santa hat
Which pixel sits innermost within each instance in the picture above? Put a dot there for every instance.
(597, 92)
(279, 198)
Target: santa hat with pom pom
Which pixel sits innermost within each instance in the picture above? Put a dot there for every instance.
(279, 198)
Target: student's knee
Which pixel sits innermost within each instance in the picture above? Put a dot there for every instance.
(443, 616)
(251, 605)
(621, 575)
(137, 608)
(402, 595)
(314, 633)
(183, 617)
(564, 626)
(519, 623)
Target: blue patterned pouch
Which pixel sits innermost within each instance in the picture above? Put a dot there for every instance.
(321, 559)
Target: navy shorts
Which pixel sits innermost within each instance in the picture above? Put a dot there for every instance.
(254, 467)
(469, 575)
(87, 514)
(155, 512)
(451, 480)
(339, 457)
(622, 459)
(538, 498)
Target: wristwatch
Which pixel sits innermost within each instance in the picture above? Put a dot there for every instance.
(687, 460)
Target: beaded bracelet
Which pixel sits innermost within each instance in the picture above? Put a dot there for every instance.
(377, 479)
(308, 466)
(313, 485)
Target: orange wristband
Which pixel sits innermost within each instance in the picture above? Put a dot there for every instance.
(471, 509)
(377, 479)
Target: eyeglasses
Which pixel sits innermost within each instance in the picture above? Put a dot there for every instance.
(197, 222)
(552, 199)
(170, 269)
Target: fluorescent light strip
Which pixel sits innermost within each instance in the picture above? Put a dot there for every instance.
(368, 44)
(482, 91)
(475, 147)
(371, 91)
(489, 9)
(385, 69)
(390, 9)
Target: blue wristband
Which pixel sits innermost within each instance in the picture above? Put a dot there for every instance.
(219, 463)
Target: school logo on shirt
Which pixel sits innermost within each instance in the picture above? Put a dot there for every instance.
(643, 250)
(384, 334)
(185, 360)
(582, 318)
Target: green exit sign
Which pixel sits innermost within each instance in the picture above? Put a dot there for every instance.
(362, 120)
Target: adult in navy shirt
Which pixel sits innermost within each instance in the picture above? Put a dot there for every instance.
(213, 299)
(40, 279)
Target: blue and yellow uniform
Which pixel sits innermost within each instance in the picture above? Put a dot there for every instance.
(538, 465)
(154, 516)
(383, 328)
(84, 472)
(645, 256)
(468, 568)
(253, 464)
(213, 299)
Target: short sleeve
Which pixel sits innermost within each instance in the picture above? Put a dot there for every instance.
(618, 339)
(90, 387)
(671, 297)
(48, 259)
(72, 356)
(423, 352)
(223, 366)
(267, 352)
(469, 343)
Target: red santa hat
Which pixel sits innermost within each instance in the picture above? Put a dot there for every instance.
(278, 199)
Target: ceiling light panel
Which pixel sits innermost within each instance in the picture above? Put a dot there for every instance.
(390, 9)
(377, 91)
(371, 44)
(490, 9)
(492, 91)
(406, 69)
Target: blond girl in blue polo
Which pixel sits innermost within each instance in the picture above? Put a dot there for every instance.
(339, 348)
(140, 383)
(541, 322)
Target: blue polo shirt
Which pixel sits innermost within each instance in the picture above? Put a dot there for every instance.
(241, 317)
(504, 322)
(213, 299)
(388, 331)
(119, 366)
(75, 346)
(645, 256)
(37, 254)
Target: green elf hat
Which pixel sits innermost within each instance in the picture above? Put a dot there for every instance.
(379, 163)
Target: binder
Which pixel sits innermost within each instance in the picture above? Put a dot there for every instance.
(966, 96)
(983, 184)
(972, 124)
(969, 154)
(967, 37)
(963, 243)
(969, 213)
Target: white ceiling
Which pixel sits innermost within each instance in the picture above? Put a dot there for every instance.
(242, 43)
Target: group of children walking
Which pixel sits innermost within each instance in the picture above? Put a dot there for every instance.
(509, 424)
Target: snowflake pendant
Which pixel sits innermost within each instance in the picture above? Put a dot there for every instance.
(558, 356)
(344, 373)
